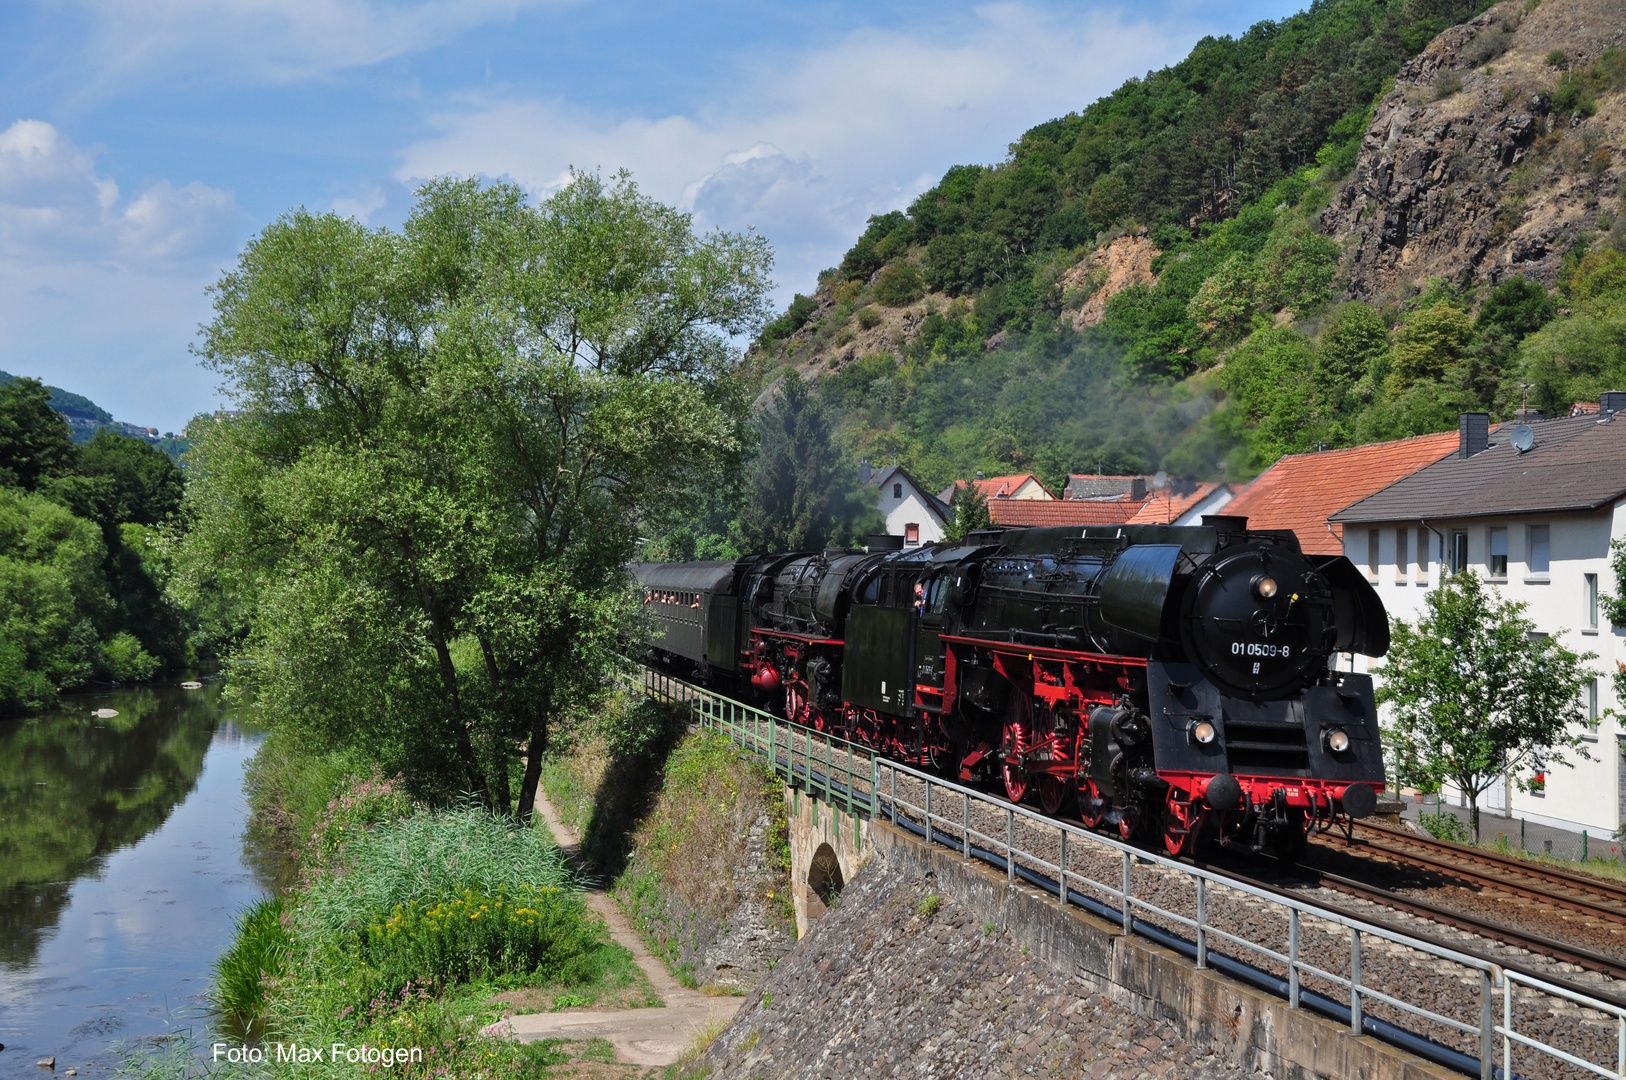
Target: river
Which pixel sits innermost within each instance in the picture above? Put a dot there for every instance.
(122, 867)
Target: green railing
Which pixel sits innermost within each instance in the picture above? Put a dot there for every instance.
(841, 773)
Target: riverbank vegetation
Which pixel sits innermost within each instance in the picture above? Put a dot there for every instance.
(411, 926)
(84, 560)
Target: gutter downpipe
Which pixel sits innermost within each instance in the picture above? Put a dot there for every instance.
(1424, 523)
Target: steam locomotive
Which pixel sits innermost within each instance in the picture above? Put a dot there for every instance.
(1173, 682)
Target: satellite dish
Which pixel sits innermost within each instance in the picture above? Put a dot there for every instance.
(1160, 479)
(1523, 438)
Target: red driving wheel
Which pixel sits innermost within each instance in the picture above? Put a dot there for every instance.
(1014, 746)
(1182, 818)
(1092, 808)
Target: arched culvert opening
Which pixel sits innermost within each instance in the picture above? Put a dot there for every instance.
(824, 876)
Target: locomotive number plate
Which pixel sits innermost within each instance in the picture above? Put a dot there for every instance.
(1254, 648)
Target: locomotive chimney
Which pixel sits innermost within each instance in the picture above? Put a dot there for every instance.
(1473, 430)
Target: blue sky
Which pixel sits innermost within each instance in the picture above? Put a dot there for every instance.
(143, 141)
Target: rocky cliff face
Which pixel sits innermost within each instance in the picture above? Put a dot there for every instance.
(1471, 171)
(1106, 272)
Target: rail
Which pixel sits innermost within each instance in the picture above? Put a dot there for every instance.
(849, 776)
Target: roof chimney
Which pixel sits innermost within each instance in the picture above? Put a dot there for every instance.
(1474, 433)
(1137, 488)
(1612, 401)
(865, 471)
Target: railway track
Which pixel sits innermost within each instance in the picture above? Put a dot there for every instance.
(1586, 892)
(1545, 910)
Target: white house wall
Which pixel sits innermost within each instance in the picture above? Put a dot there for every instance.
(1582, 793)
(900, 512)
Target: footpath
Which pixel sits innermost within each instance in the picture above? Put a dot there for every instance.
(650, 1036)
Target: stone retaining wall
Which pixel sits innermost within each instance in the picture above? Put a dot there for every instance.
(934, 966)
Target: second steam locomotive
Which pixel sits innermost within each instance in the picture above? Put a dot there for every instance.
(1172, 682)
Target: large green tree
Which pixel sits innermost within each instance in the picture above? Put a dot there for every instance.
(449, 438)
(1478, 694)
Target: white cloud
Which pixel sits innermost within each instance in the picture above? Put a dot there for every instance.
(55, 209)
(363, 206)
(278, 40)
(805, 147)
(100, 293)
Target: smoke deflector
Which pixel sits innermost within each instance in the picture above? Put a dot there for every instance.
(1133, 591)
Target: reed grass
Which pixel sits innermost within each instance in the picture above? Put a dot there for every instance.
(426, 858)
(258, 954)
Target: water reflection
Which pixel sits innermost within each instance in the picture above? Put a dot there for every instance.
(121, 866)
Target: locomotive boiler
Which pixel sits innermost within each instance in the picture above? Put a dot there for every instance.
(1168, 682)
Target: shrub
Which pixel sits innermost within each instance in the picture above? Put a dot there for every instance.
(427, 857)
(361, 805)
(125, 660)
(258, 954)
(1557, 58)
(545, 932)
(1487, 45)
(1445, 84)
(795, 317)
(1443, 826)
(868, 317)
(900, 283)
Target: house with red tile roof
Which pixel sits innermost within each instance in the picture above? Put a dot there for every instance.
(1014, 486)
(1032, 513)
(1171, 506)
(1301, 491)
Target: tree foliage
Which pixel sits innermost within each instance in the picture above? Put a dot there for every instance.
(802, 495)
(450, 437)
(970, 508)
(1477, 694)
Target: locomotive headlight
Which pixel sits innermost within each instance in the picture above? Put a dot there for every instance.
(1337, 740)
(1265, 587)
(1203, 731)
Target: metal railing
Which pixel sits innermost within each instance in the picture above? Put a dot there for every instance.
(850, 776)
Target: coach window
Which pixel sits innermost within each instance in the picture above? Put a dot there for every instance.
(1459, 552)
(1540, 552)
(1372, 553)
(1496, 557)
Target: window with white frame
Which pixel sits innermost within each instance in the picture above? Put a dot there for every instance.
(1459, 552)
(1401, 556)
(1372, 553)
(1589, 598)
(1541, 548)
(1424, 540)
(1496, 553)
(1590, 701)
